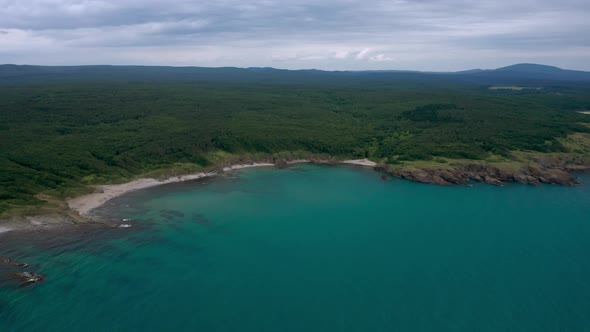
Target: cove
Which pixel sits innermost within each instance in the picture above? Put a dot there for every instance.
(313, 248)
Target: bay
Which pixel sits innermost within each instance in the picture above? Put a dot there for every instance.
(315, 248)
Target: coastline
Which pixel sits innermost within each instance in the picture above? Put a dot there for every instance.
(83, 205)
(77, 211)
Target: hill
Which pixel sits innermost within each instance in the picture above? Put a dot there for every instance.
(516, 74)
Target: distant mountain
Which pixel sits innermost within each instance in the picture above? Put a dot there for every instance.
(531, 68)
(521, 74)
(531, 71)
(470, 71)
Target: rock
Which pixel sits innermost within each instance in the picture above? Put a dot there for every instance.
(21, 279)
(417, 175)
(386, 178)
(437, 179)
(28, 278)
(577, 168)
(490, 180)
(481, 172)
(281, 164)
(452, 176)
(535, 176)
(557, 176)
(380, 168)
(7, 262)
(526, 179)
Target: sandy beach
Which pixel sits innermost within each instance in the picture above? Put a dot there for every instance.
(85, 204)
(360, 162)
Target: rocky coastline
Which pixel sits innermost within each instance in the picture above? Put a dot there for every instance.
(462, 174)
(537, 173)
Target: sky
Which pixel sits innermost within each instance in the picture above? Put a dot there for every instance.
(427, 35)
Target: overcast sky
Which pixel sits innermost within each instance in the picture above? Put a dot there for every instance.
(325, 34)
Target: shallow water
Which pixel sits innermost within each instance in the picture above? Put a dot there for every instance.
(315, 248)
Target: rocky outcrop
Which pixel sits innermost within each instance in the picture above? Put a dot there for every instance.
(21, 279)
(420, 175)
(481, 172)
(386, 177)
(6, 262)
(39, 222)
(17, 279)
(281, 164)
(29, 277)
(577, 168)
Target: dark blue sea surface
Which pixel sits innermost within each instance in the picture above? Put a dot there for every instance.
(313, 248)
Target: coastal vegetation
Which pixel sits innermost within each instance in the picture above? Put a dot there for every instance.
(61, 138)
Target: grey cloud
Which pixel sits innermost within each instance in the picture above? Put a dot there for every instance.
(330, 34)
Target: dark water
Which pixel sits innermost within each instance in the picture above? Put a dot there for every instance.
(315, 249)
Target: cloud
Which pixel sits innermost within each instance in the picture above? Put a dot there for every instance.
(328, 34)
(362, 54)
(381, 57)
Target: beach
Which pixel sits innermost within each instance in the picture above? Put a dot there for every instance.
(83, 205)
(360, 162)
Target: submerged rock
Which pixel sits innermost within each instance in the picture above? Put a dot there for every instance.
(170, 214)
(386, 177)
(27, 278)
(7, 262)
(30, 276)
(21, 279)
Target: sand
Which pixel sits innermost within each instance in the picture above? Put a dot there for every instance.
(360, 162)
(85, 204)
(4, 229)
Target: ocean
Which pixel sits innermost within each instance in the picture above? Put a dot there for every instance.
(313, 248)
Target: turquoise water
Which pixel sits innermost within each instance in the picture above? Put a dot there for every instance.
(315, 248)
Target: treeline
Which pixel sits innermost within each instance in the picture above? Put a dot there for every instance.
(57, 139)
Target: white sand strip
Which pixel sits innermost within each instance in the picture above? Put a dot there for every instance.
(4, 229)
(360, 162)
(234, 167)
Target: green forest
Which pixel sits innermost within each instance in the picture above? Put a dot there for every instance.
(60, 138)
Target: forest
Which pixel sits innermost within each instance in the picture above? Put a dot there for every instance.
(60, 138)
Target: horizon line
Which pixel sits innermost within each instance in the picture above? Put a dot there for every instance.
(298, 69)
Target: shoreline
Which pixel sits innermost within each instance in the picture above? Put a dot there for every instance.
(83, 205)
(76, 211)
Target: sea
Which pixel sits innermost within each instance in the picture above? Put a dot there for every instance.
(312, 248)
